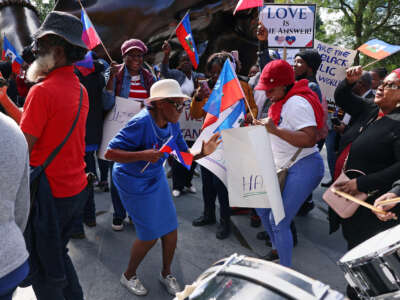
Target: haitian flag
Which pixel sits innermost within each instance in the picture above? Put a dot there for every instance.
(246, 4)
(226, 102)
(10, 53)
(86, 65)
(89, 34)
(378, 49)
(184, 34)
(171, 148)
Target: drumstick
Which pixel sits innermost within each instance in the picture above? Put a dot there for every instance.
(390, 201)
(362, 203)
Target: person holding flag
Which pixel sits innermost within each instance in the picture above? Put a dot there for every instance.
(212, 185)
(139, 152)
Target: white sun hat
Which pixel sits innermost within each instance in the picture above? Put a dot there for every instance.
(166, 88)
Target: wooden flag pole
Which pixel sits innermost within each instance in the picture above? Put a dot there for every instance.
(101, 42)
(371, 63)
(173, 32)
(390, 201)
(284, 53)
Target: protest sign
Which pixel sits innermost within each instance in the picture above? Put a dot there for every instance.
(190, 127)
(332, 70)
(124, 109)
(251, 171)
(290, 53)
(289, 25)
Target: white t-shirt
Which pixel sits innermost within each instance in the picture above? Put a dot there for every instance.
(187, 86)
(297, 113)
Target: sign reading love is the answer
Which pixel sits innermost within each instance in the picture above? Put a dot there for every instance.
(289, 25)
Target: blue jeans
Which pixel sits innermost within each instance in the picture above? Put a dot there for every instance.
(330, 150)
(119, 210)
(67, 209)
(9, 283)
(303, 177)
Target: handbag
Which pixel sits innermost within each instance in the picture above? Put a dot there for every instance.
(343, 207)
(37, 172)
(283, 172)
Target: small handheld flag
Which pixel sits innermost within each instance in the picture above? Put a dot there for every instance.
(378, 49)
(246, 4)
(227, 92)
(185, 37)
(10, 53)
(89, 34)
(185, 158)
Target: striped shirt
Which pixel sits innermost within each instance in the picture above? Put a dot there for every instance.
(137, 90)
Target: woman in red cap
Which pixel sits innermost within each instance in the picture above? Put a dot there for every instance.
(292, 121)
(128, 80)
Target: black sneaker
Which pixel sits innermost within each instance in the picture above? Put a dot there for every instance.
(271, 256)
(224, 229)
(117, 224)
(202, 221)
(306, 208)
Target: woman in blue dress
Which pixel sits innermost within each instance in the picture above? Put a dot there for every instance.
(143, 187)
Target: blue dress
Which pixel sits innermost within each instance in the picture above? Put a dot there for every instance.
(146, 196)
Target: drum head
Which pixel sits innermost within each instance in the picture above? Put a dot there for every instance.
(374, 246)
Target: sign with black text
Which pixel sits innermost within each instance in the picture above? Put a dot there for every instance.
(289, 25)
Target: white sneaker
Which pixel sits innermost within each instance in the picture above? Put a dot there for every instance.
(191, 189)
(176, 193)
(133, 285)
(170, 284)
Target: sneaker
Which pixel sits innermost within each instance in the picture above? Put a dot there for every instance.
(191, 189)
(117, 224)
(203, 220)
(133, 285)
(176, 193)
(170, 284)
(306, 208)
(223, 230)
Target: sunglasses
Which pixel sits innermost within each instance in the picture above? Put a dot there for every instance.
(389, 86)
(178, 106)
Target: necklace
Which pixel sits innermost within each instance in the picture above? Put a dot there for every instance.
(163, 140)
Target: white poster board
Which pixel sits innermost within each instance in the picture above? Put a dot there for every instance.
(251, 171)
(123, 110)
(289, 25)
(190, 127)
(335, 61)
(290, 53)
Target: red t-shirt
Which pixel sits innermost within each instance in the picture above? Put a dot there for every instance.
(49, 111)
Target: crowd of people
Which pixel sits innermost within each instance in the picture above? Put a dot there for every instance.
(63, 108)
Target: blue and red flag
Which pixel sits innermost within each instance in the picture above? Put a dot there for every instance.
(226, 100)
(171, 148)
(246, 4)
(86, 65)
(89, 34)
(185, 37)
(378, 49)
(10, 53)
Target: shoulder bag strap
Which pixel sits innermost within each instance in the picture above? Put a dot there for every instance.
(55, 151)
(293, 158)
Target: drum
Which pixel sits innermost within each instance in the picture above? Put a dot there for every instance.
(373, 267)
(243, 277)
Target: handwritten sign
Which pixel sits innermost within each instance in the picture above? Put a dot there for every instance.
(190, 127)
(124, 109)
(251, 171)
(289, 25)
(335, 61)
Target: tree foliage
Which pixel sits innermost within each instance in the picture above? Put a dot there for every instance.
(362, 20)
(44, 7)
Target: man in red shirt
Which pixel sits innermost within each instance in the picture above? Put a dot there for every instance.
(48, 114)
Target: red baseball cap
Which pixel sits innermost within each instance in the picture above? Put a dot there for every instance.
(276, 73)
(397, 72)
(133, 44)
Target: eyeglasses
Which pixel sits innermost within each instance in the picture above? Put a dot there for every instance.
(178, 106)
(389, 86)
(133, 56)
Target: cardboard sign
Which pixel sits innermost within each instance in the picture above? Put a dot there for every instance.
(289, 25)
(190, 127)
(251, 171)
(124, 109)
(335, 61)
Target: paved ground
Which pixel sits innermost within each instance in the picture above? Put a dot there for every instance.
(103, 255)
